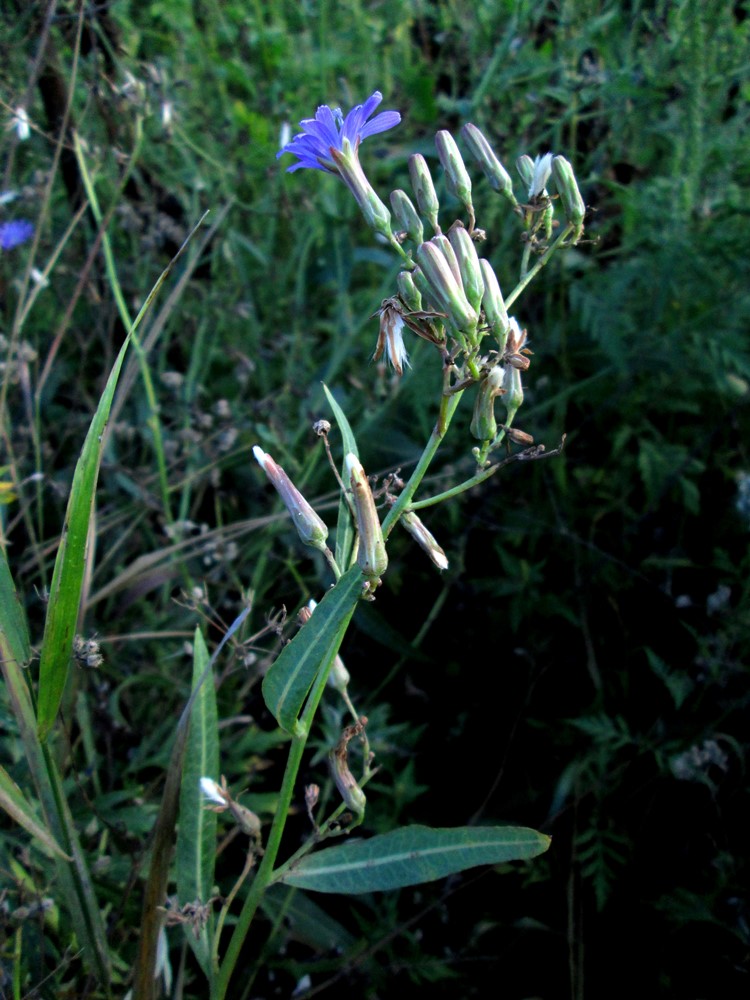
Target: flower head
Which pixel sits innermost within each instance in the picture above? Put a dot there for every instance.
(542, 170)
(329, 130)
(391, 336)
(12, 234)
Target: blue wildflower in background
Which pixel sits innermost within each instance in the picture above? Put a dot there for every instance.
(12, 234)
(330, 142)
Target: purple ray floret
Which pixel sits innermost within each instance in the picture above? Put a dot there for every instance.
(12, 234)
(330, 130)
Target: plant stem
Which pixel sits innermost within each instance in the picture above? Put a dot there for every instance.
(448, 406)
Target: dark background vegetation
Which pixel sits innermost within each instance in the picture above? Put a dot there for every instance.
(582, 665)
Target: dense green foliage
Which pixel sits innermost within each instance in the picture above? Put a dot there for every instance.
(581, 667)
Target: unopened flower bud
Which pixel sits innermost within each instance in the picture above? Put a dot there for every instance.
(371, 554)
(408, 291)
(445, 290)
(456, 176)
(444, 245)
(310, 528)
(406, 216)
(494, 305)
(424, 190)
(424, 539)
(525, 167)
(491, 167)
(483, 423)
(468, 264)
(570, 196)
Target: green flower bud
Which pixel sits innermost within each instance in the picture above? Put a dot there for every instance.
(456, 176)
(491, 167)
(525, 167)
(570, 196)
(494, 305)
(406, 216)
(444, 245)
(447, 292)
(310, 528)
(468, 264)
(408, 291)
(424, 190)
(483, 423)
(371, 554)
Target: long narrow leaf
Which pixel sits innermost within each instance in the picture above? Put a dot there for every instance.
(70, 564)
(287, 683)
(15, 805)
(196, 836)
(412, 855)
(14, 634)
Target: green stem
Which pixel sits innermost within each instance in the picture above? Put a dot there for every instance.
(448, 405)
(530, 275)
(265, 871)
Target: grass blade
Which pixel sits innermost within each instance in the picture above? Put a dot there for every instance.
(196, 836)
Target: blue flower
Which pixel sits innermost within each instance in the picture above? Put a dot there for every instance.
(329, 131)
(12, 234)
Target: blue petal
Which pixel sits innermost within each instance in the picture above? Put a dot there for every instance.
(328, 131)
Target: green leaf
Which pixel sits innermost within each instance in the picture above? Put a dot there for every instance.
(344, 525)
(411, 855)
(16, 806)
(196, 834)
(14, 636)
(73, 876)
(307, 922)
(287, 683)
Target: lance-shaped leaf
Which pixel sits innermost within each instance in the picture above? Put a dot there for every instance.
(411, 855)
(288, 681)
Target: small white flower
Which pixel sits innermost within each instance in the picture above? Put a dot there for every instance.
(212, 791)
(166, 115)
(542, 170)
(38, 278)
(21, 124)
(285, 135)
